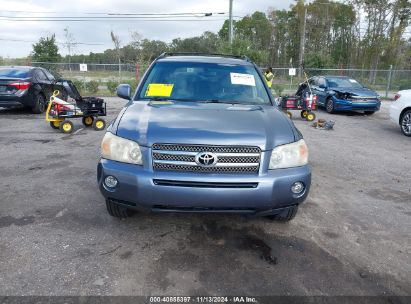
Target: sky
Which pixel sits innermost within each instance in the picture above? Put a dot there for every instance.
(98, 33)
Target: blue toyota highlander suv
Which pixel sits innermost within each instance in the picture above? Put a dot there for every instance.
(202, 133)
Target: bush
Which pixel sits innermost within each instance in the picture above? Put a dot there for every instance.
(278, 88)
(132, 82)
(79, 84)
(112, 86)
(92, 86)
(404, 84)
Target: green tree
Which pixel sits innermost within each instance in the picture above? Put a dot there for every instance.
(369, 34)
(151, 49)
(284, 47)
(317, 60)
(243, 47)
(46, 50)
(206, 43)
(252, 38)
(255, 28)
(399, 22)
(223, 32)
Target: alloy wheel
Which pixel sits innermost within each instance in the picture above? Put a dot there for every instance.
(42, 106)
(406, 124)
(330, 106)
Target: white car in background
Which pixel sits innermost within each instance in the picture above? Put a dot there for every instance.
(400, 111)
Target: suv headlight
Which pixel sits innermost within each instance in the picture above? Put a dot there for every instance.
(120, 149)
(289, 155)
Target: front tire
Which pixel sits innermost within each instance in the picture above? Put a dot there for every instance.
(116, 210)
(329, 105)
(99, 124)
(39, 105)
(286, 215)
(405, 123)
(310, 116)
(66, 126)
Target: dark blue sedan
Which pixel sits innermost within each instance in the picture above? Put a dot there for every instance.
(342, 93)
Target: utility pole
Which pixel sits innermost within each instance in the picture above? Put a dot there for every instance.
(230, 29)
(302, 44)
(69, 44)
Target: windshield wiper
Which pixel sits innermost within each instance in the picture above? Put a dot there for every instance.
(221, 101)
(169, 99)
(159, 99)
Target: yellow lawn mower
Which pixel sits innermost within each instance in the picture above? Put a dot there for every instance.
(304, 100)
(88, 108)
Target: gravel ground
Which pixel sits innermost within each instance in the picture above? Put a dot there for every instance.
(351, 237)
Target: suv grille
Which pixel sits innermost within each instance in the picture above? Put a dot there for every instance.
(182, 158)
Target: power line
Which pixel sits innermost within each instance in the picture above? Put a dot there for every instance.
(29, 41)
(123, 17)
(107, 17)
(164, 14)
(111, 16)
(113, 13)
(113, 20)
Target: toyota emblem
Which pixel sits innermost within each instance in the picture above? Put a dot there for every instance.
(206, 159)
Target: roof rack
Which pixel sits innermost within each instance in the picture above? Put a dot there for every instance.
(204, 54)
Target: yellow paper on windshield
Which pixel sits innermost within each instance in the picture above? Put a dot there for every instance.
(159, 89)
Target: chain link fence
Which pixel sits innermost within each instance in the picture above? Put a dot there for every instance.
(96, 71)
(385, 82)
(97, 78)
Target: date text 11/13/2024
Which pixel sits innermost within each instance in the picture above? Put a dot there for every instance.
(202, 299)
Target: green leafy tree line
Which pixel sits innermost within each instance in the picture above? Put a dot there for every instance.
(368, 34)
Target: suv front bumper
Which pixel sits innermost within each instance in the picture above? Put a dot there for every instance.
(146, 190)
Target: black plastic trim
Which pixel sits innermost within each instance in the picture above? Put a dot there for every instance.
(174, 183)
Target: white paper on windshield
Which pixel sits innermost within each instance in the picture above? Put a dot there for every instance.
(244, 79)
(352, 80)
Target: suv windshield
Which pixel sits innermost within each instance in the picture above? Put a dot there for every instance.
(204, 82)
(338, 82)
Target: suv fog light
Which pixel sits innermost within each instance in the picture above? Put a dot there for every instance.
(110, 181)
(297, 188)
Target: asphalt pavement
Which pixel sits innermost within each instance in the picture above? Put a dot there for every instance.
(351, 237)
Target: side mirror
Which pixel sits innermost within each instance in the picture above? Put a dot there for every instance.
(124, 91)
(322, 86)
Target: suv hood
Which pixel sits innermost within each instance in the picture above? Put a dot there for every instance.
(208, 124)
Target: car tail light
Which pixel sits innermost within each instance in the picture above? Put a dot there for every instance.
(20, 85)
(397, 96)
